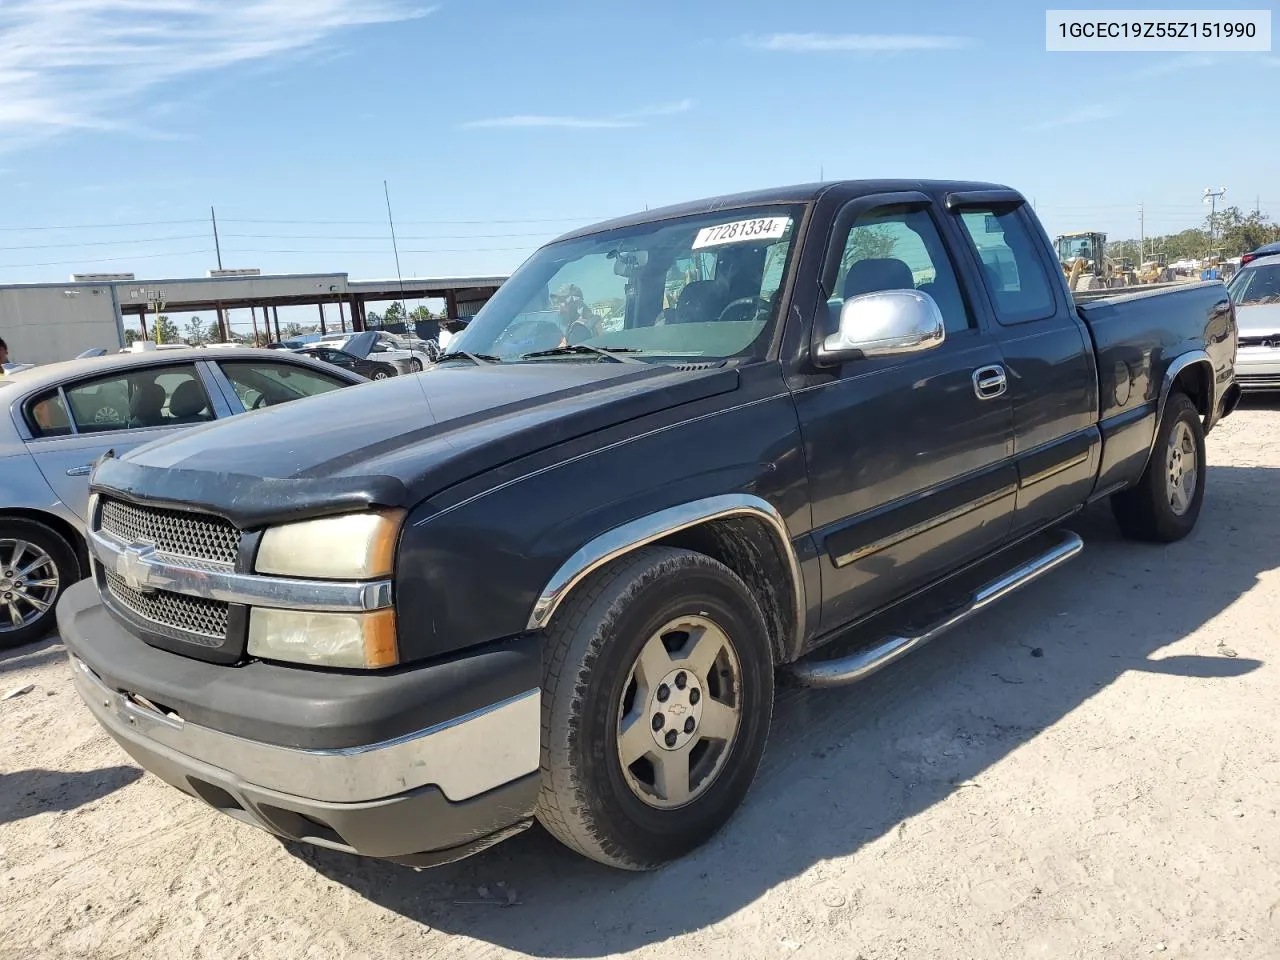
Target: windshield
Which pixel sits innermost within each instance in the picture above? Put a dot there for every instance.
(704, 287)
(1260, 284)
(1069, 248)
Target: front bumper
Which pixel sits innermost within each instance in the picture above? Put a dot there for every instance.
(1258, 368)
(427, 796)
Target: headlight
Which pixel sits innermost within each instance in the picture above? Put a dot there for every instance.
(349, 546)
(362, 641)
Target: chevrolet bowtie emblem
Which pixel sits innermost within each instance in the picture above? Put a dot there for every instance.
(132, 567)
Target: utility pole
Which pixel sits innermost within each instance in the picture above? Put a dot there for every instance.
(1142, 235)
(1212, 197)
(216, 245)
(223, 330)
(396, 249)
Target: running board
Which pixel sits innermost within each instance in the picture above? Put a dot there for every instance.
(857, 666)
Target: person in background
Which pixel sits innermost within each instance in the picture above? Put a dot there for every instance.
(4, 352)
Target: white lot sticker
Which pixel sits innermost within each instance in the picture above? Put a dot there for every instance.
(767, 228)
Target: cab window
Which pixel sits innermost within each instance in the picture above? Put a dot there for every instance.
(1012, 266)
(898, 250)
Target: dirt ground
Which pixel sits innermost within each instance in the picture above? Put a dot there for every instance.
(1089, 770)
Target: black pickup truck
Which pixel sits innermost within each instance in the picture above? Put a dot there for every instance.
(796, 432)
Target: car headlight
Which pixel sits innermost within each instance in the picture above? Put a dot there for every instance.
(349, 546)
(361, 641)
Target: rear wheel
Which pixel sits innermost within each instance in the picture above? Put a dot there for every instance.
(36, 566)
(415, 365)
(657, 697)
(1164, 504)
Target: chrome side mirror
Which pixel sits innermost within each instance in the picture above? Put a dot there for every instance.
(885, 323)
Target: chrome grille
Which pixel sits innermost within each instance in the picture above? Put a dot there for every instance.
(174, 532)
(191, 615)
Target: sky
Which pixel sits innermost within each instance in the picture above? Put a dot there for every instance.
(498, 124)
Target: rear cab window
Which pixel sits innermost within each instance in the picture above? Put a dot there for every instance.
(1012, 265)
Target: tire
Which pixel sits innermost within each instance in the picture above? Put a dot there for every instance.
(40, 553)
(634, 817)
(1157, 508)
(415, 365)
(382, 373)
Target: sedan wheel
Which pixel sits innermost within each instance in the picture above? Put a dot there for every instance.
(36, 565)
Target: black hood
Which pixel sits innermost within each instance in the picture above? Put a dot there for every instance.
(396, 442)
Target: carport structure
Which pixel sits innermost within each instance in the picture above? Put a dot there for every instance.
(463, 296)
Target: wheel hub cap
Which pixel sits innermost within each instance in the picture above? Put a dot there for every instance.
(28, 584)
(676, 709)
(680, 712)
(1182, 467)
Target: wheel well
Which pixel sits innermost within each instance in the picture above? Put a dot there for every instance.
(1195, 381)
(58, 526)
(749, 548)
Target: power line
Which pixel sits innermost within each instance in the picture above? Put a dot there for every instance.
(104, 226)
(145, 256)
(103, 243)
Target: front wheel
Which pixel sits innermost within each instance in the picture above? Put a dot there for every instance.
(36, 566)
(383, 373)
(1164, 504)
(657, 697)
(415, 365)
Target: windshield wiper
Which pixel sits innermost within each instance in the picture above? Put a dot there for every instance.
(479, 359)
(581, 348)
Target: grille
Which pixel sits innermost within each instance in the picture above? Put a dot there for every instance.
(194, 535)
(191, 615)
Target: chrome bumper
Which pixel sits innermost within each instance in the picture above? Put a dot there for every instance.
(464, 757)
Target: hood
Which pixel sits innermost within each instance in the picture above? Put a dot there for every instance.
(396, 442)
(1258, 319)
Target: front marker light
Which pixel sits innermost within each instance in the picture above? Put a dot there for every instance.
(360, 641)
(349, 546)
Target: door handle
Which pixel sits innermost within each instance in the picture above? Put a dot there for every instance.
(82, 471)
(990, 382)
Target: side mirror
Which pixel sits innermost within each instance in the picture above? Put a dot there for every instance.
(885, 323)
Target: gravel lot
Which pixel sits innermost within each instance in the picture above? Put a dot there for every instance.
(1090, 770)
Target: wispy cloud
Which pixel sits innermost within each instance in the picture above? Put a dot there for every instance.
(632, 118)
(81, 64)
(856, 42)
(1086, 114)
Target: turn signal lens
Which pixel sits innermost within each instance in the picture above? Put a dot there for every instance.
(360, 641)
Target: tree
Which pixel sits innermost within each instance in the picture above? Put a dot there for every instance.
(198, 333)
(866, 243)
(131, 335)
(292, 330)
(165, 330)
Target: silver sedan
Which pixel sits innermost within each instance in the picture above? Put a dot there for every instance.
(56, 420)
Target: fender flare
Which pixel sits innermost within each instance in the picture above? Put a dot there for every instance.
(1175, 370)
(644, 530)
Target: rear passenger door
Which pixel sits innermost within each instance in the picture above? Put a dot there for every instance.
(71, 426)
(907, 454)
(1047, 352)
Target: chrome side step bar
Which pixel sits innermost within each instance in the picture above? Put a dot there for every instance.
(857, 666)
